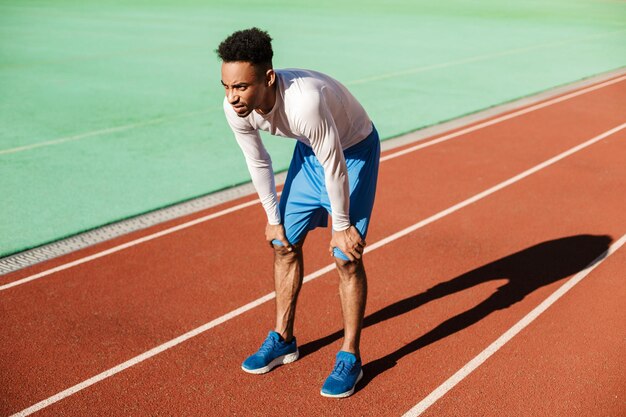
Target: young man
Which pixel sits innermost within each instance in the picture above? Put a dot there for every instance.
(333, 170)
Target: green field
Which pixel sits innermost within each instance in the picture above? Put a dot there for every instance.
(110, 109)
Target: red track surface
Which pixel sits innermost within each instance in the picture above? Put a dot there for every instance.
(437, 296)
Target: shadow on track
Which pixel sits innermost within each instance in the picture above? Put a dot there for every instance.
(526, 271)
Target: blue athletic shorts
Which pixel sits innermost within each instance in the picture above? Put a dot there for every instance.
(304, 203)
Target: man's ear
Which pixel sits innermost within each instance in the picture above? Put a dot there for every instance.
(270, 77)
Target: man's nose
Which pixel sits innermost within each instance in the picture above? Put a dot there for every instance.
(232, 97)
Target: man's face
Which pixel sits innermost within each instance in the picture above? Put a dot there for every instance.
(245, 89)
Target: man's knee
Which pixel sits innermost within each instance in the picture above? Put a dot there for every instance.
(287, 253)
(349, 268)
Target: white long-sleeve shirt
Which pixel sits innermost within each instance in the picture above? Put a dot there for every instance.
(316, 110)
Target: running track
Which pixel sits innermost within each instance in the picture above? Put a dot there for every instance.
(440, 292)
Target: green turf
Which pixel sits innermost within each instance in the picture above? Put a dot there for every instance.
(124, 97)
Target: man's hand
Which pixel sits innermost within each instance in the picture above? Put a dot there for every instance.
(277, 232)
(349, 242)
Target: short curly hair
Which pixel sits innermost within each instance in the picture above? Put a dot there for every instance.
(249, 45)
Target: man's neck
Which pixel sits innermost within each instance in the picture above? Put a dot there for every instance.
(270, 100)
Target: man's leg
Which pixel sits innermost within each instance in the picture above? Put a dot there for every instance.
(362, 163)
(280, 346)
(288, 274)
(353, 295)
(300, 212)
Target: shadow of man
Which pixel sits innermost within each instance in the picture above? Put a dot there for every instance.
(526, 271)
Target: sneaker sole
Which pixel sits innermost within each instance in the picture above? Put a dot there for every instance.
(344, 394)
(281, 360)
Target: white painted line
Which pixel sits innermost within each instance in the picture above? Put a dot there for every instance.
(509, 334)
(503, 118)
(495, 188)
(146, 355)
(477, 58)
(140, 358)
(127, 245)
(241, 206)
(102, 132)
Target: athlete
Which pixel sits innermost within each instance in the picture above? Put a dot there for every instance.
(333, 171)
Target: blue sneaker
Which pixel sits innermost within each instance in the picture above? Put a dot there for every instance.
(344, 377)
(273, 352)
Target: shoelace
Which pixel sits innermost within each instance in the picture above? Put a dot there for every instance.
(267, 346)
(342, 368)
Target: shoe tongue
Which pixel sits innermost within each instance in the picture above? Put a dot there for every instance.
(346, 356)
(274, 336)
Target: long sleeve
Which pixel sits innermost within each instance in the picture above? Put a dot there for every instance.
(259, 164)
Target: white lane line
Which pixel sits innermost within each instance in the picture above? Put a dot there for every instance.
(152, 352)
(244, 205)
(495, 188)
(440, 391)
(411, 71)
(127, 245)
(503, 118)
(103, 131)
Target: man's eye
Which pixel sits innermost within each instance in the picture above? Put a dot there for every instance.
(241, 87)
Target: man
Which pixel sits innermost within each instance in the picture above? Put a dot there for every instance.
(333, 170)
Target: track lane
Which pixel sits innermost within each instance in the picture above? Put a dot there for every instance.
(174, 302)
(403, 350)
(568, 362)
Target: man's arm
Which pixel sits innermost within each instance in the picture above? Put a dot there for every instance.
(260, 167)
(261, 172)
(259, 164)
